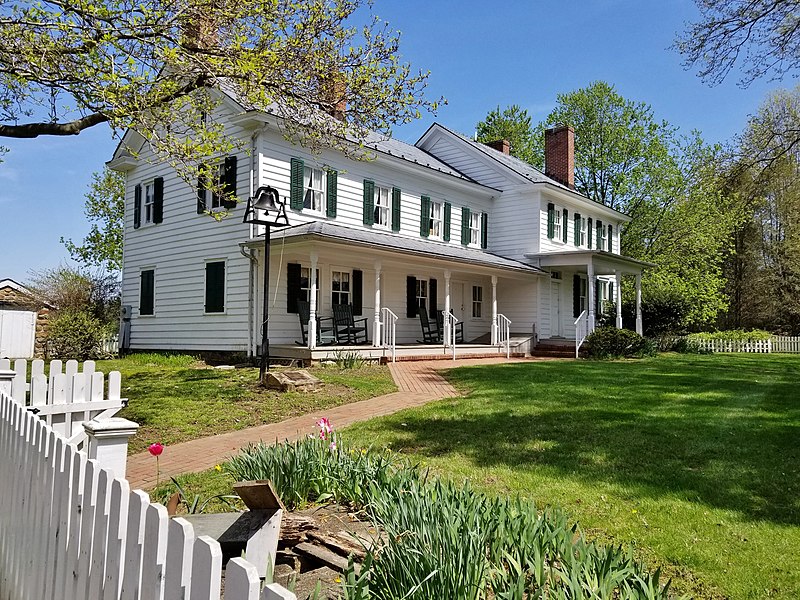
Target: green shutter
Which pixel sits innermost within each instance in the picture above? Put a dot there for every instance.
(333, 180)
(292, 286)
(446, 235)
(551, 220)
(357, 291)
(137, 206)
(484, 230)
(433, 301)
(369, 202)
(411, 297)
(146, 292)
(589, 233)
(201, 190)
(565, 227)
(296, 184)
(395, 209)
(229, 183)
(576, 296)
(610, 238)
(577, 233)
(599, 235)
(215, 287)
(465, 226)
(158, 200)
(425, 216)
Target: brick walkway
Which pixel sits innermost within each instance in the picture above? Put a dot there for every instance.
(417, 382)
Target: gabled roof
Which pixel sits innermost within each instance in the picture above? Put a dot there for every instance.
(403, 245)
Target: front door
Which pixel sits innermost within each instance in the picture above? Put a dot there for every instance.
(555, 308)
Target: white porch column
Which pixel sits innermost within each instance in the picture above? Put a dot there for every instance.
(312, 303)
(376, 328)
(446, 305)
(639, 327)
(590, 285)
(618, 298)
(494, 311)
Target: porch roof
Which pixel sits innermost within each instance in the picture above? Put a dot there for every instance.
(596, 257)
(403, 245)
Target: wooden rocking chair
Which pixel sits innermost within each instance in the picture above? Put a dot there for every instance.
(326, 333)
(431, 332)
(459, 326)
(347, 328)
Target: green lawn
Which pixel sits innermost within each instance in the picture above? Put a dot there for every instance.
(692, 460)
(175, 398)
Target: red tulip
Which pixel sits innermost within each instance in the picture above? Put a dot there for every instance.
(155, 449)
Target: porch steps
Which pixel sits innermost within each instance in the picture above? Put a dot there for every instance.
(555, 348)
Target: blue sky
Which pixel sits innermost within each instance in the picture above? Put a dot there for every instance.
(481, 54)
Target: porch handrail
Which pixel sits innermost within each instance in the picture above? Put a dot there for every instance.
(581, 331)
(504, 333)
(449, 322)
(389, 331)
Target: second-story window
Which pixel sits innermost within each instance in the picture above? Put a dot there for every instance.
(475, 228)
(436, 220)
(601, 236)
(382, 204)
(557, 224)
(149, 200)
(581, 231)
(314, 193)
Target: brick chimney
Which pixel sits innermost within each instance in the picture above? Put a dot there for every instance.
(559, 154)
(333, 91)
(503, 146)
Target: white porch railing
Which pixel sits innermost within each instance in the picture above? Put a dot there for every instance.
(389, 331)
(449, 322)
(581, 331)
(66, 398)
(504, 333)
(70, 530)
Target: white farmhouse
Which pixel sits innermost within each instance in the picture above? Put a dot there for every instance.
(445, 226)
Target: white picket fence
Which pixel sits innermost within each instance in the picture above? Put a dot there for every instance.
(775, 344)
(71, 394)
(72, 531)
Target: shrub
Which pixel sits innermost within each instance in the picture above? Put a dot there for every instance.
(74, 335)
(732, 335)
(610, 342)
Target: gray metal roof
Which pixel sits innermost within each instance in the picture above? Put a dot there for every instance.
(388, 145)
(404, 245)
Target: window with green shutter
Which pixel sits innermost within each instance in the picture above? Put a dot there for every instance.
(396, 209)
(369, 202)
(464, 225)
(576, 225)
(484, 230)
(564, 233)
(610, 238)
(332, 192)
(137, 206)
(551, 220)
(601, 238)
(215, 287)
(446, 233)
(425, 216)
(296, 184)
(589, 233)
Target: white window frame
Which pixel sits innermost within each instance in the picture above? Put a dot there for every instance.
(436, 220)
(474, 228)
(347, 293)
(477, 301)
(422, 293)
(218, 171)
(314, 197)
(583, 293)
(557, 235)
(602, 239)
(148, 201)
(383, 204)
(582, 232)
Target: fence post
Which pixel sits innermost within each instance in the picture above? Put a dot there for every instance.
(108, 443)
(6, 379)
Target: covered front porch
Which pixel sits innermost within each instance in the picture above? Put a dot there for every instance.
(487, 304)
(582, 284)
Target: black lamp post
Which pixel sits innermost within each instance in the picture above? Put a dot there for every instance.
(266, 208)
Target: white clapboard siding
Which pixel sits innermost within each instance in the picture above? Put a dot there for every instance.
(70, 530)
(71, 394)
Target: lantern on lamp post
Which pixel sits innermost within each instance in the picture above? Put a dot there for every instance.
(265, 208)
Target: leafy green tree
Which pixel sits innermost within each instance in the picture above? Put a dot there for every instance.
(512, 124)
(104, 206)
(66, 66)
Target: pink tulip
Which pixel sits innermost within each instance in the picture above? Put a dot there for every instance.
(155, 449)
(324, 425)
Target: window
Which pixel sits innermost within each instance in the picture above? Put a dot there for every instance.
(474, 228)
(314, 189)
(582, 232)
(436, 220)
(215, 287)
(146, 292)
(582, 297)
(149, 200)
(218, 173)
(340, 287)
(477, 301)
(557, 224)
(305, 285)
(382, 200)
(422, 294)
(601, 236)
